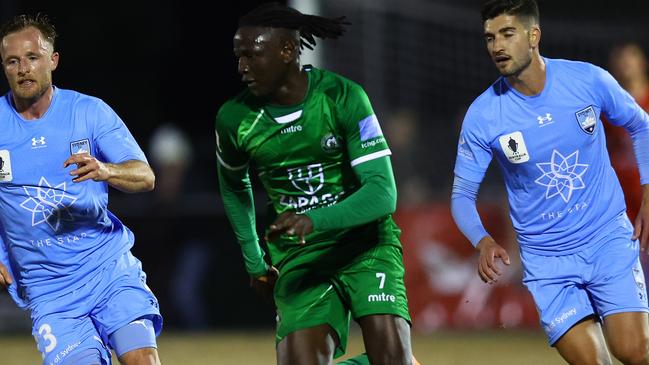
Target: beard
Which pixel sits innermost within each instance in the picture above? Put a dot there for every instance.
(517, 68)
(32, 93)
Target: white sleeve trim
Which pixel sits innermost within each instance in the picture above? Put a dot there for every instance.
(371, 156)
(232, 168)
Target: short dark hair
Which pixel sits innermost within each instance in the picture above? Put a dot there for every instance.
(275, 15)
(520, 8)
(39, 21)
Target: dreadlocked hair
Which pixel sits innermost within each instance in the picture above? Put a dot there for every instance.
(275, 15)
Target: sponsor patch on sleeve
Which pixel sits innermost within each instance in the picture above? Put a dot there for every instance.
(463, 149)
(514, 147)
(5, 166)
(369, 128)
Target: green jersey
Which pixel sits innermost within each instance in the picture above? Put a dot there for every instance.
(305, 156)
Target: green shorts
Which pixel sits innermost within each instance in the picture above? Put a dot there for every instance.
(308, 294)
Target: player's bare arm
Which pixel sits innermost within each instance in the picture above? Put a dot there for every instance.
(292, 224)
(5, 277)
(488, 268)
(641, 226)
(131, 176)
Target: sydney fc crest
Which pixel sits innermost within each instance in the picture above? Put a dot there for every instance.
(587, 119)
(82, 146)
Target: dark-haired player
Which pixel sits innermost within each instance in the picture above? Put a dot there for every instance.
(541, 122)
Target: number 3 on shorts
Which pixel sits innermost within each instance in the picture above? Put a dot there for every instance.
(49, 340)
(381, 276)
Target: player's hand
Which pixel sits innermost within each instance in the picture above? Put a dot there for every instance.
(5, 277)
(265, 284)
(291, 224)
(641, 224)
(88, 167)
(488, 268)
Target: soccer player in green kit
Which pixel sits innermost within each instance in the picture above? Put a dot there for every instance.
(316, 144)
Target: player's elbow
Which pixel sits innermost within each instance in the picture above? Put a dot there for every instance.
(391, 200)
(149, 182)
(145, 181)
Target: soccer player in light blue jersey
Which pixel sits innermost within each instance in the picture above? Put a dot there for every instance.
(541, 122)
(63, 255)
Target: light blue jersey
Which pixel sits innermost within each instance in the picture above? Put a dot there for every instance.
(563, 192)
(58, 234)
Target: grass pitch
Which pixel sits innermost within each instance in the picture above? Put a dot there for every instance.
(503, 347)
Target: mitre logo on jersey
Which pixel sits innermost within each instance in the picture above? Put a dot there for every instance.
(82, 146)
(587, 119)
(308, 179)
(48, 204)
(291, 129)
(514, 147)
(562, 175)
(5, 166)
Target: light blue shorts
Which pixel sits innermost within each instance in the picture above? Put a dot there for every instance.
(85, 318)
(604, 279)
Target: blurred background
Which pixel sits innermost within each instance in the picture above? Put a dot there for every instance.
(167, 66)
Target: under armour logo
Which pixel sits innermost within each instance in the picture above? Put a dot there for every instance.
(37, 142)
(546, 119)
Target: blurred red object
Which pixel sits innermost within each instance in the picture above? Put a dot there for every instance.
(444, 290)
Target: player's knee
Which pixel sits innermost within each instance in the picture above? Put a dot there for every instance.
(635, 351)
(315, 345)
